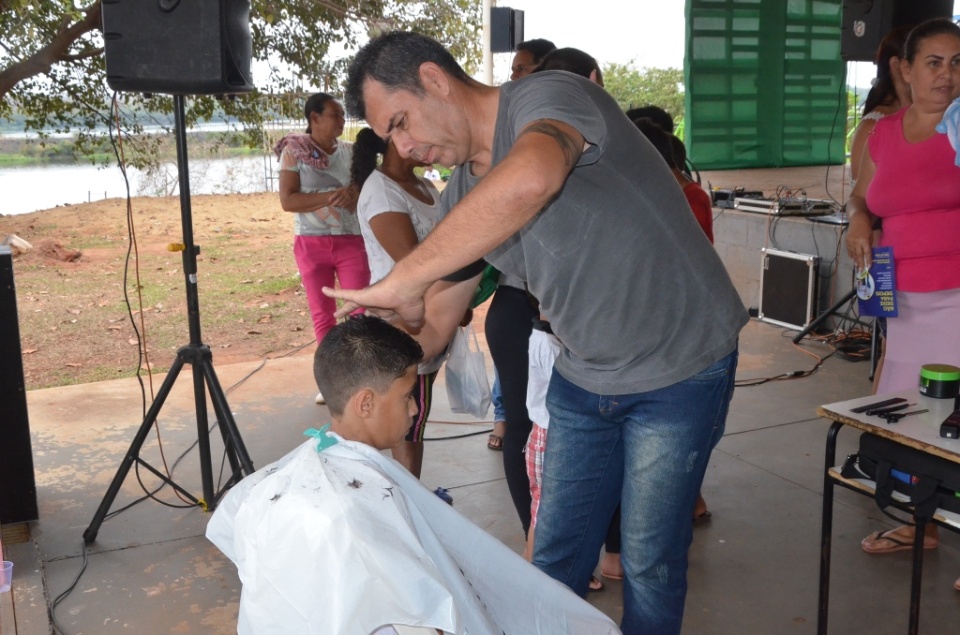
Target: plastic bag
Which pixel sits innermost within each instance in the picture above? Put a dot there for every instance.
(468, 388)
(346, 540)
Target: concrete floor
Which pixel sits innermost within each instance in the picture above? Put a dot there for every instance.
(753, 568)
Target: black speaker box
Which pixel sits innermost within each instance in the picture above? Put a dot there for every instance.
(179, 47)
(18, 488)
(506, 29)
(788, 288)
(865, 22)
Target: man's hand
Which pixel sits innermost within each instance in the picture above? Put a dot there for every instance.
(385, 300)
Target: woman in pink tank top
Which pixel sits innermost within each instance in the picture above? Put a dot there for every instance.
(910, 179)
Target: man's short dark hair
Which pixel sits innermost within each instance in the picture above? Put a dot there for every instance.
(394, 60)
(361, 352)
(538, 48)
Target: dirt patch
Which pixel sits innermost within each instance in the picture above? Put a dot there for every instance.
(75, 325)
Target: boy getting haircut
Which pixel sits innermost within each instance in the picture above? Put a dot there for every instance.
(338, 538)
(362, 352)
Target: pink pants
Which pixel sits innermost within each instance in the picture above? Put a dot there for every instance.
(319, 259)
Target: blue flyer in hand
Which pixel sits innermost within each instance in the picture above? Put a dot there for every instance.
(876, 287)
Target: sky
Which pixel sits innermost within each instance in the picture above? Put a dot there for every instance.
(652, 37)
(609, 30)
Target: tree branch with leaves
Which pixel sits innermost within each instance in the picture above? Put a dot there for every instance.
(53, 74)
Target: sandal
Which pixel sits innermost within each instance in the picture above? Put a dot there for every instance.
(611, 576)
(495, 442)
(595, 584)
(869, 544)
(611, 567)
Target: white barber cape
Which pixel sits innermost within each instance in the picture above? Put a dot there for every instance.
(345, 541)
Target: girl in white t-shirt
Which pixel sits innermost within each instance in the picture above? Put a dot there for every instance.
(396, 210)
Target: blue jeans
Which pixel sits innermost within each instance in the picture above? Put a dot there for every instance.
(647, 451)
(499, 413)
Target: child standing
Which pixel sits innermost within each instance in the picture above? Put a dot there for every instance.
(543, 351)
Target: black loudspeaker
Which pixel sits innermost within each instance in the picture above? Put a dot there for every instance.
(506, 29)
(788, 288)
(865, 22)
(18, 488)
(188, 47)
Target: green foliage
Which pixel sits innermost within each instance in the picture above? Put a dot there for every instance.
(53, 78)
(633, 87)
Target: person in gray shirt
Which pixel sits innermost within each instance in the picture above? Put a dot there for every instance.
(556, 186)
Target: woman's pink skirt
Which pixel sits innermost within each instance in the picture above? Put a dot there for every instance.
(926, 331)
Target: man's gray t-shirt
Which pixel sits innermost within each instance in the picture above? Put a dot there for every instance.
(628, 280)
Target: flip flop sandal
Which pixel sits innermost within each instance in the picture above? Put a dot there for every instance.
(610, 576)
(595, 584)
(897, 544)
(495, 442)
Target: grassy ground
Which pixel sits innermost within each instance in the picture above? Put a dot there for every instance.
(75, 326)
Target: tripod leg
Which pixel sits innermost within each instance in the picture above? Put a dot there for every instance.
(824, 316)
(91, 532)
(203, 431)
(236, 449)
(220, 405)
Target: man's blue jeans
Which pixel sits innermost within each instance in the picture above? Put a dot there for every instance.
(647, 451)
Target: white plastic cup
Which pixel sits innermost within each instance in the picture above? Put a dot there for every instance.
(6, 576)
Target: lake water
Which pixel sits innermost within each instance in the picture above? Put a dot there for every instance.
(29, 189)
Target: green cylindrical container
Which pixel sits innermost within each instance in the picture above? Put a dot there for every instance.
(940, 381)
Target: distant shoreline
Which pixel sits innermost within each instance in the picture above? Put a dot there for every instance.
(32, 188)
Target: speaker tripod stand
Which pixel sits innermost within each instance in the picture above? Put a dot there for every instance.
(814, 325)
(198, 355)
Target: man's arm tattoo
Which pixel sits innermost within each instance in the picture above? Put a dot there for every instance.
(567, 145)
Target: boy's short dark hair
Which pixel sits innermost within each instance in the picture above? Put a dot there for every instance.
(361, 352)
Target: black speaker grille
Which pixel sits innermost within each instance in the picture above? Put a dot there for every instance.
(865, 22)
(188, 47)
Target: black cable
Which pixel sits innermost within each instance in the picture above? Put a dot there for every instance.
(796, 374)
(457, 436)
(841, 100)
(53, 606)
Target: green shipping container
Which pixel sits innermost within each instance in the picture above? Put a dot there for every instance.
(765, 84)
